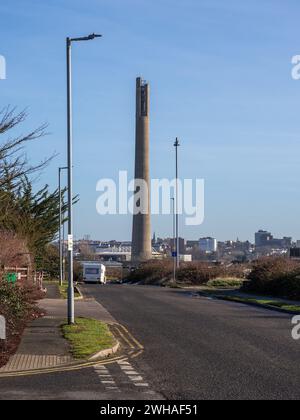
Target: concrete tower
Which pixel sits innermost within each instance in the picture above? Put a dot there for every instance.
(141, 232)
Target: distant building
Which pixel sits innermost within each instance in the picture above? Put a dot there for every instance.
(181, 245)
(266, 239)
(208, 245)
(295, 253)
(263, 238)
(186, 258)
(192, 244)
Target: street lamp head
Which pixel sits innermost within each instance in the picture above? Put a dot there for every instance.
(84, 38)
(93, 36)
(176, 144)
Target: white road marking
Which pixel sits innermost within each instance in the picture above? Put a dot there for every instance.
(136, 378)
(131, 372)
(106, 378)
(110, 384)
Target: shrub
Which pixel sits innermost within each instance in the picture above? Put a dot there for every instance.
(17, 306)
(276, 276)
(161, 272)
(198, 273)
(152, 272)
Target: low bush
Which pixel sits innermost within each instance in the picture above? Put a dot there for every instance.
(275, 276)
(152, 272)
(198, 273)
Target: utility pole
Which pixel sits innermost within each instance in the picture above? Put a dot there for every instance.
(69, 41)
(176, 145)
(174, 240)
(60, 223)
(63, 248)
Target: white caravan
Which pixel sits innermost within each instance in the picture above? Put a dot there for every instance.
(94, 273)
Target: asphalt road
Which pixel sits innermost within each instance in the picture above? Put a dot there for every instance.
(196, 348)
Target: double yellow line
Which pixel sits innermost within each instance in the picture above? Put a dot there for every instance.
(133, 343)
(58, 369)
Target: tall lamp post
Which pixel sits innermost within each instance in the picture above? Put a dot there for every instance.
(69, 41)
(174, 239)
(60, 223)
(176, 145)
(63, 248)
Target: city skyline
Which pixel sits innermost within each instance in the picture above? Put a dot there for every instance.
(157, 236)
(231, 100)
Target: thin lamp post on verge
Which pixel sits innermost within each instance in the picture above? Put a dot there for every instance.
(176, 145)
(174, 239)
(60, 223)
(69, 41)
(63, 247)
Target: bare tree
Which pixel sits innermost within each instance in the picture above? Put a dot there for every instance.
(13, 161)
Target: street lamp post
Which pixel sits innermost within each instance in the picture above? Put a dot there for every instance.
(63, 250)
(176, 145)
(174, 239)
(69, 41)
(60, 223)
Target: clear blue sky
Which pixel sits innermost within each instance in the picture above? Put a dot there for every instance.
(220, 74)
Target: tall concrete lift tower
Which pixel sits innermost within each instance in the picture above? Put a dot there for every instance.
(141, 232)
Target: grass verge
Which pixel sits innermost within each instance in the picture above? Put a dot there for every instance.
(87, 337)
(272, 304)
(63, 290)
(225, 283)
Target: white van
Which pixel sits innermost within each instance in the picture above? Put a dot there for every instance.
(94, 273)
